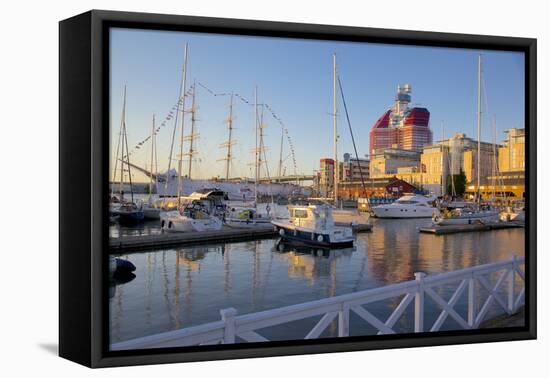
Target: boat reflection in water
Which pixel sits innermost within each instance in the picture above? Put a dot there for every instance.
(183, 287)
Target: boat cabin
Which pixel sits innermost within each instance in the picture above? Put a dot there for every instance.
(316, 217)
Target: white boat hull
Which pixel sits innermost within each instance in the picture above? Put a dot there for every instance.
(485, 217)
(181, 223)
(395, 212)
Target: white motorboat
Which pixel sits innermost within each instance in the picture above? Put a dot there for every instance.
(313, 225)
(203, 213)
(466, 216)
(410, 206)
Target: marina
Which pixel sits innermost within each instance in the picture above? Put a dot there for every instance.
(416, 235)
(181, 287)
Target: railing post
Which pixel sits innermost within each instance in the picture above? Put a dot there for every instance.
(228, 316)
(471, 301)
(512, 286)
(419, 303)
(343, 321)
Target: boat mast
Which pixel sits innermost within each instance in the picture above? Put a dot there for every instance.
(125, 143)
(229, 157)
(281, 154)
(335, 131)
(152, 154)
(478, 127)
(180, 161)
(122, 132)
(256, 151)
(192, 136)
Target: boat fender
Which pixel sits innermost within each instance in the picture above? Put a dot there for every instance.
(320, 238)
(123, 271)
(282, 232)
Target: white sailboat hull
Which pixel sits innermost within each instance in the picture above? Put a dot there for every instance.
(179, 223)
(483, 217)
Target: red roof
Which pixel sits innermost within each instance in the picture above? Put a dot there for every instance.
(383, 122)
(418, 117)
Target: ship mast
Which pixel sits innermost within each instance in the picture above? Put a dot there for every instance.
(191, 137)
(478, 127)
(256, 150)
(180, 160)
(335, 131)
(153, 153)
(229, 143)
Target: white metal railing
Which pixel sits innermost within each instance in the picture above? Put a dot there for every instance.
(245, 327)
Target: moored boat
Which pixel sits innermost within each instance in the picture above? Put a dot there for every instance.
(409, 206)
(313, 225)
(466, 215)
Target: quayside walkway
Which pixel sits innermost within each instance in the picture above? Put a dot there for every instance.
(503, 282)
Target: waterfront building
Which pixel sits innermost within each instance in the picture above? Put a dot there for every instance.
(401, 126)
(351, 168)
(326, 177)
(375, 187)
(511, 156)
(386, 161)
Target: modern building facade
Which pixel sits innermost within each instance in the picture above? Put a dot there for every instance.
(511, 156)
(387, 161)
(353, 169)
(326, 177)
(401, 126)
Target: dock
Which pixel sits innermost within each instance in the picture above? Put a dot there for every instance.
(477, 227)
(128, 243)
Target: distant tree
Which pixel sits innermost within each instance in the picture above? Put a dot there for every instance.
(459, 182)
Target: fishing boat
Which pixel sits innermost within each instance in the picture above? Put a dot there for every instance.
(409, 206)
(204, 212)
(313, 225)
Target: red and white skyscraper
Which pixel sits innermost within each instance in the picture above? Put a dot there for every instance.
(402, 126)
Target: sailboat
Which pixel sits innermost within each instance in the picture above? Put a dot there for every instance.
(128, 211)
(200, 214)
(478, 212)
(150, 209)
(342, 217)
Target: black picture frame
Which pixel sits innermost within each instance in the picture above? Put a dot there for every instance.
(83, 181)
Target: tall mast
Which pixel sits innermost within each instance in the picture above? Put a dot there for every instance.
(335, 130)
(229, 140)
(228, 144)
(180, 161)
(256, 150)
(192, 136)
(152, 154)
(478, 126)
(279, 173)
(125, 144)
(122, 132)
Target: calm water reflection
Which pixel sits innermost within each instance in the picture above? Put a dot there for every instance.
(182, 287)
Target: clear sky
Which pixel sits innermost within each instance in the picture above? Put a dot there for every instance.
(294, 77)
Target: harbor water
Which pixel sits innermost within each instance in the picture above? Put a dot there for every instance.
(183, 287)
